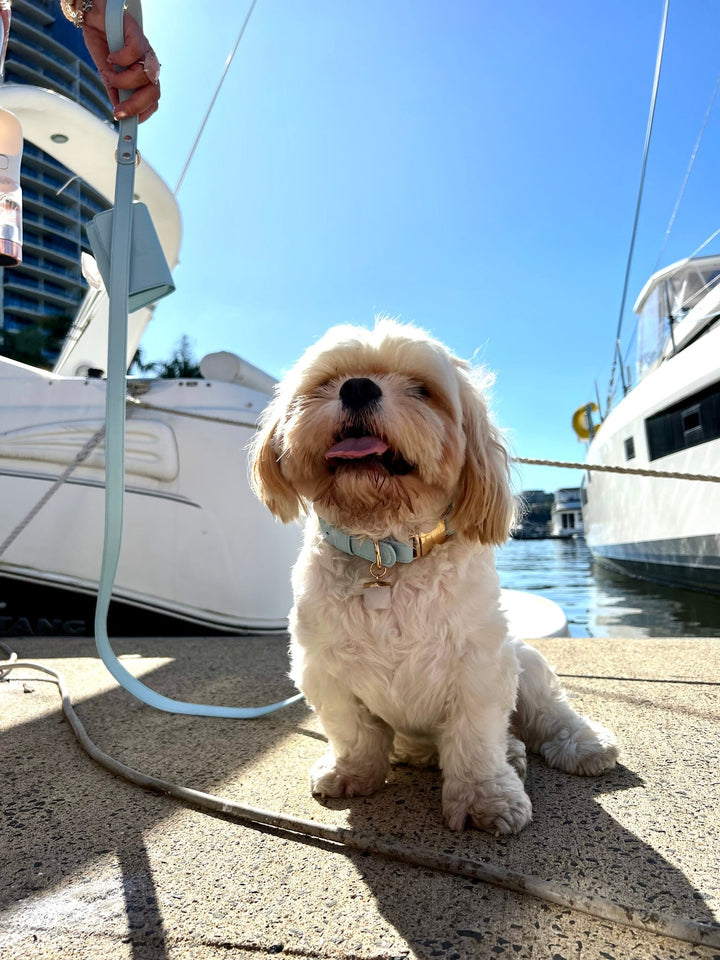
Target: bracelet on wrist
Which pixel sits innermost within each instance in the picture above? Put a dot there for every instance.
(75, 10)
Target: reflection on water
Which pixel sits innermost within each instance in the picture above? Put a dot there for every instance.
(599, 603)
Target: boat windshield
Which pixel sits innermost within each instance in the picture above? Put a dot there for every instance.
(672, 294)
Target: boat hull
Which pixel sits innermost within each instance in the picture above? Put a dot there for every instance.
(691, 562)
(196, 545)
(665, 530)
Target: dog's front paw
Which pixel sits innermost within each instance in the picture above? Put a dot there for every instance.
(498, 805)
(586, 749)
(328, 780)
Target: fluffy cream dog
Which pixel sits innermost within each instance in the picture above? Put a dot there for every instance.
(398, 640)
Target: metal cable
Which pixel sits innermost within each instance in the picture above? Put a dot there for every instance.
(214, 98)
(684, 184)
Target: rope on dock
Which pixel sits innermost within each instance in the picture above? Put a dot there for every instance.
(633, 471)
(680, 928)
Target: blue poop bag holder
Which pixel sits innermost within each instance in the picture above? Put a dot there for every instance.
(133, 267)
(150, 277)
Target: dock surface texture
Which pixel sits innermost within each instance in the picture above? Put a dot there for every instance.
(94, 866)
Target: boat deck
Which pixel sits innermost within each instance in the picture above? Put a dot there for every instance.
(93, 866)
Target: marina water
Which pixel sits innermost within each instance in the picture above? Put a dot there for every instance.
(599, 603)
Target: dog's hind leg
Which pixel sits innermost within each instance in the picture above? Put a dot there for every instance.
(516, 756)
(548, 725)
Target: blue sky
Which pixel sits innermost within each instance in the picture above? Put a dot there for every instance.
(469, 166)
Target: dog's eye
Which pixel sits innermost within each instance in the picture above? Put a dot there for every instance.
(419, 390)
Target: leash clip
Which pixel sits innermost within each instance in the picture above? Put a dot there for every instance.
(376, 592)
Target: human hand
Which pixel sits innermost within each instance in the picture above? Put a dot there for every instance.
(141, 68)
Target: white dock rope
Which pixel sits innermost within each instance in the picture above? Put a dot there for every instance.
(176, 412)
(561, 894)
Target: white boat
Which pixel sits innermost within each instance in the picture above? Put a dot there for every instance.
(197, 544)
(665, 530)
(566, 518)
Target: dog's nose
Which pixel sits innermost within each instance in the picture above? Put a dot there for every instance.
(359, 392)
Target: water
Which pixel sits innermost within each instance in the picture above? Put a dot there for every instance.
(598, 603)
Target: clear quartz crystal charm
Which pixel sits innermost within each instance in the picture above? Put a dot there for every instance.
(376, 592)
(377, 595)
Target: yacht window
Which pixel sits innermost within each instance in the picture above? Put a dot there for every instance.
(694, 420)
(630, 448)
(692, 425)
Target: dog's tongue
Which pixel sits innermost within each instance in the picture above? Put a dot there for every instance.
(355, 448)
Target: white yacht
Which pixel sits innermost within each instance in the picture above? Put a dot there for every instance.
(665, 530)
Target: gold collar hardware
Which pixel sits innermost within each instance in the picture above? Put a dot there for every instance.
(423, 543)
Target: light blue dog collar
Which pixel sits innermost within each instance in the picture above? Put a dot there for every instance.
(391, 551)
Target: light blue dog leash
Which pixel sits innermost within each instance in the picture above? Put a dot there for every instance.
(118, 292)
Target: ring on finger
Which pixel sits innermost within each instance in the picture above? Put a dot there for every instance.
(151, 66)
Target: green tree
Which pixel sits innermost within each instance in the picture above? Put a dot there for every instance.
(38, 344)
(182, 364)
(141, 366)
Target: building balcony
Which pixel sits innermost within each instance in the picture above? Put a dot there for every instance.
(32, 67)
(70, 214)
(41, 11)
(48, 52)
(14, 280)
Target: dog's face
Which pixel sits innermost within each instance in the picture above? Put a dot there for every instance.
(382, 431)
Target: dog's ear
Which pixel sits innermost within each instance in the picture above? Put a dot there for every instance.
(483, 504)
(266, 477)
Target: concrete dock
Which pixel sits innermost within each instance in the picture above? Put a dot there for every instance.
(93, 866)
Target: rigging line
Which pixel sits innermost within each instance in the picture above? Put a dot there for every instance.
(693, 155)
(214, 98)
(646, 149)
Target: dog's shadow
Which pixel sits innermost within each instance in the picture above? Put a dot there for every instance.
(573, 840)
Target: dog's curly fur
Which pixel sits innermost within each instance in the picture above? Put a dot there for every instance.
(434, 678)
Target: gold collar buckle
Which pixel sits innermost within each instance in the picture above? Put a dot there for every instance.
(423, 543)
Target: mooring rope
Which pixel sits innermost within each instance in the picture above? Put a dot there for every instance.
(227, 421)
(633, 471)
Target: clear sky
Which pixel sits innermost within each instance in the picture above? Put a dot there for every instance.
(469, 166)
